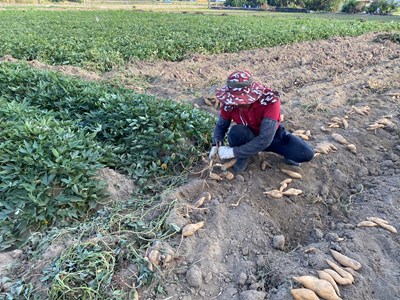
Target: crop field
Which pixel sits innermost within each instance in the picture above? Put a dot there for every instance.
(99, 40)
(106, 121)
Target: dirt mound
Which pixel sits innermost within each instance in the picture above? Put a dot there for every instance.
(251, 244)
(234, 256)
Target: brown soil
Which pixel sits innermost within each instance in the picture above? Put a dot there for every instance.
(233, 256)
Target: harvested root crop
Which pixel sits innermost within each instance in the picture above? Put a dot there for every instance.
(337, 122)
(265, 164)
(190, 229)
(325, 276)
(228, 164)
(303, 134)
(346, 261)
(383, 224)
(325, 148)
(375, 126)
(292, 192)
(361, 110)
(303, 294)
(340, 270)
(352, 148)
(339, 279)
(274, 194)
(215, 176)
(321, 287)
(154, 257)
(199, 202)
(292, 174)
(367, 224)
(229, 175)
(339, 138)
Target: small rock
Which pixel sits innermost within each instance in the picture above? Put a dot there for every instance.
(245, 251)
(240, 178)
(252, 295)
(242, 278)
(251, 279)
(318, 233)
(208, 277)
(336, 247)
(194, 276)
(278, 242)
(255, 286)
(332, 236)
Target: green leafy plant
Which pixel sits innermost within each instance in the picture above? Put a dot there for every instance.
(144, 136)
(47, 171)
(101, 40)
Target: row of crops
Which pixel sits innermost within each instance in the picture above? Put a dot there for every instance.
(57, 132)
(99, 40)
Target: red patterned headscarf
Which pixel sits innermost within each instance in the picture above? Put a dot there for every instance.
(240, 89)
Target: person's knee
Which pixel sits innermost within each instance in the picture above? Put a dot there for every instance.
(239, 135)
(308, 154)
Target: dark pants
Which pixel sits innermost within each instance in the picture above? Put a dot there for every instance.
(284, 143)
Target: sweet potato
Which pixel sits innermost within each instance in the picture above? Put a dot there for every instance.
(292, 192)
(339, 138)
(340, 270)
(325, 276)
(345, 123)
(215, 176)
(383, 224)
(287, 180)
(352, 148)
(346, 261)
(228, 164)
(303, 294)
(274, 194)
(265, 164)
(190, 229)
(283, 186)
(154, 257)
(229, 175)
(292, 174)
(321, 287)
(199, 202)
(376, 220)
(367, 224)
(339, 279)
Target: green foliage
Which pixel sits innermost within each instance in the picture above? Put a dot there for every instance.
(241, 3)
(99, 40)
(47, 171)
(322, 5)
(84, 271)
(352, 7)
(146, 137)
(382, 7)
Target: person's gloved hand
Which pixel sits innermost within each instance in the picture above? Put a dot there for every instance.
(225, 152)
(212, 152)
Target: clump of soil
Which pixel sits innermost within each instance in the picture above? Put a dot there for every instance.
(251, 244)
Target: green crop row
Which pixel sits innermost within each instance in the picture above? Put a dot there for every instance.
(99, 40)
(57, 131)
